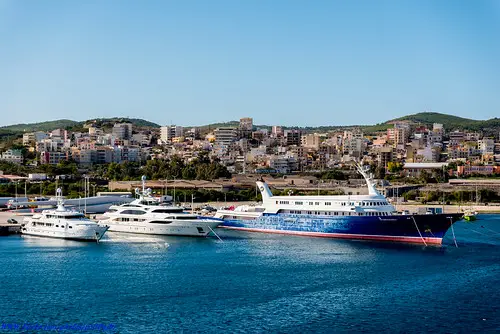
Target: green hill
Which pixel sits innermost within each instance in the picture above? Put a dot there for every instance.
(42, 126)
(138, 122)
(73, 125)
(449, 122)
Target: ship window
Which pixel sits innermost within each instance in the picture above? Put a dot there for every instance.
(57, 225)
(73, 217)
(163, 221)
(310, 203)
(133, 212)
(317, 203)
(70, 226)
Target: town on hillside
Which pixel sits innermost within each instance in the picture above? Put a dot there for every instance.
(407, 152)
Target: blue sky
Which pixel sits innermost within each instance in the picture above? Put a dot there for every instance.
(279, 61)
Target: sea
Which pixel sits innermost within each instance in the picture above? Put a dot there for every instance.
(252, 283)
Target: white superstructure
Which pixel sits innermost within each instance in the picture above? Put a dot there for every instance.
(63, 223)
(373, 204)
(145, 215)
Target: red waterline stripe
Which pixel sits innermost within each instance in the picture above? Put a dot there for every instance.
(416, 240)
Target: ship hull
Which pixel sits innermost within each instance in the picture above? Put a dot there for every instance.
(94, 233)
(182, 228)
(419, 229)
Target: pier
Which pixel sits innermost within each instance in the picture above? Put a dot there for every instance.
(7, 228)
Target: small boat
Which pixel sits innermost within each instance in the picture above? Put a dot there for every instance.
(470, 215)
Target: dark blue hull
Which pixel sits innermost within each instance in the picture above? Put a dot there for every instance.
(426, 229)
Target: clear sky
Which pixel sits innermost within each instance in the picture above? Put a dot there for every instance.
(283, 62)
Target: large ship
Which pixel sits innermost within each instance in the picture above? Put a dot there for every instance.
(369, 217)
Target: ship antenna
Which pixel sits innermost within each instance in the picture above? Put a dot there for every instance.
(60, 201)
(143, 179)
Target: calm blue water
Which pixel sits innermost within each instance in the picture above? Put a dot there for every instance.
(255, 282)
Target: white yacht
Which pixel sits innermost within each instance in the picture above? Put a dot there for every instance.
(63, 223)
(145, 215)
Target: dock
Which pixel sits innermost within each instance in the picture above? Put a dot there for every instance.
(7, 228)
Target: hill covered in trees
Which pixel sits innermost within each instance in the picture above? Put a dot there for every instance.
(450, 123)
(41, 126)
(72, 125)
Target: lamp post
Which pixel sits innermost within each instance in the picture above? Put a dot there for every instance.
(174, 190)
(192, 203)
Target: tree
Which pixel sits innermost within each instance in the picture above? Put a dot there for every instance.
(424, 176)
(379, 172)
(394, 167)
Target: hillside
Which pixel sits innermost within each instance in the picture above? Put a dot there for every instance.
(72, 125)
(449, 122)
(139, 122)
(42, 126)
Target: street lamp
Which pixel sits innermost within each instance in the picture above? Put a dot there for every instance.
(192, 203)
(174, 190)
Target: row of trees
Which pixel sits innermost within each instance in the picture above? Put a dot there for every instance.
(62, 168)
(459, 196)
(201, 168)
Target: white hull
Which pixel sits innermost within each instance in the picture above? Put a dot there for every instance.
(182, 228)
(94, 233)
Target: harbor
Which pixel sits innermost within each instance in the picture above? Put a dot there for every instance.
(254, 282)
